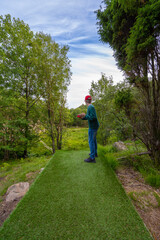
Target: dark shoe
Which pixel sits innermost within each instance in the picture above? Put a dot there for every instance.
(96, 155)
(90, 160)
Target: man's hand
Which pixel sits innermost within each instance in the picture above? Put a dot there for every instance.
(81, 115)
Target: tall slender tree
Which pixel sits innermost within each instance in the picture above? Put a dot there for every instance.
(56, 78)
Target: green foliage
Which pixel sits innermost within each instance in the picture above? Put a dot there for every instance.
(75, 139)
(143, 163)
(123, 98)
(75, 120)
(38, 150)
(34, 77)
(5, 166)
(102, 93)
(122, 125)
(153, 180)
(75, 144)
(12, 136)
(15, 171)
(107, 149)
(132, 30)
(143, 37)
(130, 4)
(56, 79)
(115, 21)
(112, 161)
(108, 100)
(107, 153)
(157, 197)
(113, 137)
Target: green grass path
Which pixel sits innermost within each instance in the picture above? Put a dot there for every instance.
(72, 199)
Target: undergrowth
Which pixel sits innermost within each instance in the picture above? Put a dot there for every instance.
(16, 171)
(75, 139)
(142, 163)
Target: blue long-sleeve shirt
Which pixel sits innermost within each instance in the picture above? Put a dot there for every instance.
(91, 116)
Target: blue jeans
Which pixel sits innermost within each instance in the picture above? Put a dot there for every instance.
(92, 142)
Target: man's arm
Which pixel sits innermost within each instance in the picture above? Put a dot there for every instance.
(91, 115)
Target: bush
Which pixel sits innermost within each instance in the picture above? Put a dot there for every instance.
(158, 198)
(38, 150)
(5, 166)
(113, 137)
(75, 139)
(112, 161)
(75, 144)
(153, 180)
(107, 149)
(107, 155)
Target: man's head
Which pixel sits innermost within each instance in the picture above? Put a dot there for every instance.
(88, 99)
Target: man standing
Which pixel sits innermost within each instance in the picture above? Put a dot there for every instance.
(93, 123)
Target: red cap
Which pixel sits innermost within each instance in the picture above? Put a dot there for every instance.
(78, 116)
(88, 97)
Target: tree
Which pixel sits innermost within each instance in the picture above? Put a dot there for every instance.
(143, 49)
(17, 69)
(12, 128)
(55, 67)
(133, 32)
(76, 121)
(34, 70)
(114, 22)
(102, 93)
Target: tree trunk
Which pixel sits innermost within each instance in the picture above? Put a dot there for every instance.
(155, 156)
(51, 128)
(57, 128)
(6, 155)
(53, 142)
(25, 154)
(59, 138)
(26, 136)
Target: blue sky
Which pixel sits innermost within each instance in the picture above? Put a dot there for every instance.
(73, 23)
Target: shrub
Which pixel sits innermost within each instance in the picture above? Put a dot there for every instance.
(72, 144)
(6, 166)
(38, 150)
(113, 137)
(107, 149)
(112, 161)
(157, 198)
(153, 180)
(75, 139)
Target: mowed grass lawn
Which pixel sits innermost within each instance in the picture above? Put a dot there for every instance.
(72, 199)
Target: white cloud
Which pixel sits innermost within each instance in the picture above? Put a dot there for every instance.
(76, 39)
(99, 48)
(86, 70)
(55, 17)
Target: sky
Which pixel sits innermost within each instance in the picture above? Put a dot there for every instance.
(72, 23)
